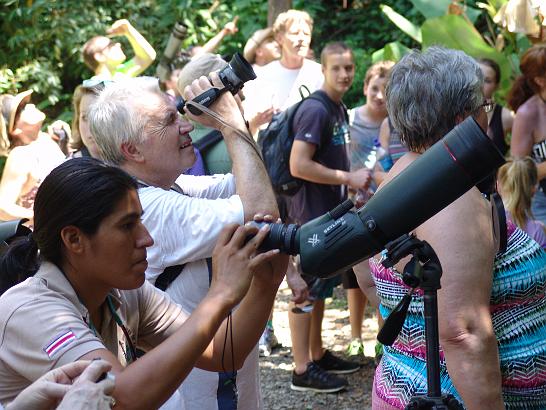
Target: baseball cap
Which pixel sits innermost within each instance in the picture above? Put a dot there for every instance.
(199, 66)
(10, 105)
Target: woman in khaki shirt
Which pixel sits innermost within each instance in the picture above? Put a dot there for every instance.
(89, 299)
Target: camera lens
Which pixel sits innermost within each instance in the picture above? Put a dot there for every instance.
(281, 237)
(242, 68)
(238, 72)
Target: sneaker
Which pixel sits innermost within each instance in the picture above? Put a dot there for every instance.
(317, 380)
(336, 365)
(268, 341)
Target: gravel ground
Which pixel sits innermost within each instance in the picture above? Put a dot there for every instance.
(276, 369)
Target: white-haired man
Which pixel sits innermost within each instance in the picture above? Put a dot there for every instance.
(137, 127)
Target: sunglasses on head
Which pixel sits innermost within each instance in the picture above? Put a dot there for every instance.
(96, 82)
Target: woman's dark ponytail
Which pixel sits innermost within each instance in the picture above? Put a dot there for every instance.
(19, 262)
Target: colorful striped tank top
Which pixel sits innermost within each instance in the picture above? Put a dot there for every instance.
(518, 311)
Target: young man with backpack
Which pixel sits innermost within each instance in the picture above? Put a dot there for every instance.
(319, 158)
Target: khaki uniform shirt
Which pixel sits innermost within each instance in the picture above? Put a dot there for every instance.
(43, 325)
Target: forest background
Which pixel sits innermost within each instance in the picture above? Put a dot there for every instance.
(42, 39)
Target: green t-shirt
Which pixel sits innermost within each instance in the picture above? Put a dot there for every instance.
(127, 69)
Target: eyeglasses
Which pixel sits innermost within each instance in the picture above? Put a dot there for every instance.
(488, 105)
(96, 82)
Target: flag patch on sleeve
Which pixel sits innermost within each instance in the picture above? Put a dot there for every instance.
(59, 343)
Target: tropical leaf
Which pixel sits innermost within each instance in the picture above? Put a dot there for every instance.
(392, 51)
(402, 23)
(437, 8)
(431, 8)
(457, 32)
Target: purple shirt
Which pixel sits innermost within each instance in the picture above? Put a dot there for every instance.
(312, 124)
(533, 228)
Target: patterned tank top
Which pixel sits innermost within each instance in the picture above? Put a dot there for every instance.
(518, 311)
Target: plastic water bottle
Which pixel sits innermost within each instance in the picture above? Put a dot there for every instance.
(382, 156)
(371, 159)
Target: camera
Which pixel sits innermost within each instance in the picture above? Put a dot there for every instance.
(342, 237)
(164, 68)
(236, 73)
(233, 76)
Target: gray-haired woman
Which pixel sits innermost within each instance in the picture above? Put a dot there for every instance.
(490, 308)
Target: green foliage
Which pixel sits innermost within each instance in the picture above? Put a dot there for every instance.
(42, 39)
(456, 32)
(469, 28)
(393, 51)
(402, 23)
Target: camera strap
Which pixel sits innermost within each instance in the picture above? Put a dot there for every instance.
(244, 135)
(500, 230)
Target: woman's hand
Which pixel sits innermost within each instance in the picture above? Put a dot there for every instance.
(74, 384)
(119, 28)
(235, 259)
(272, 271)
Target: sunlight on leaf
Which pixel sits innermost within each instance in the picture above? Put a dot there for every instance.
(456, 32)
(402, 23)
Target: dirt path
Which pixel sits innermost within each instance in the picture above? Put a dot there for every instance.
(276, 370)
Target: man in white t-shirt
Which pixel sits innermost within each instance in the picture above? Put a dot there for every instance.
(279, 82)
(277, 88)
(185, 218)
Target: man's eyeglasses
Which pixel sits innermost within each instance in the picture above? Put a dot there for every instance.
(488, 105)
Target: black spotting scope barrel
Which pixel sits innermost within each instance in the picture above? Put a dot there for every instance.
(341, 238)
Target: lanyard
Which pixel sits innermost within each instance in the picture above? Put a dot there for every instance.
(130, 353)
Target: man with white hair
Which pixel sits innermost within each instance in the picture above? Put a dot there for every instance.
(138, 128)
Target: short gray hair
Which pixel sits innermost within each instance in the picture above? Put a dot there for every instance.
(428, 91)
(118, 116)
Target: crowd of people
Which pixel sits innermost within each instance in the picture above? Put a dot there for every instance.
(144, 271)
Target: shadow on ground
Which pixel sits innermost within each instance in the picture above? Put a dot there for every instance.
(276, 370)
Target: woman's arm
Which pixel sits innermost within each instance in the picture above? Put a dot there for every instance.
(507, 118)
(522, 133)
(157, 374)
(461, 235)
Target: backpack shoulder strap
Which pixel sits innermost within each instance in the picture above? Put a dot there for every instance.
(168, 276)
(329, 105)
(301, 90)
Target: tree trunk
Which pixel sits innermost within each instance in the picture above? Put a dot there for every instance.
(276, 7)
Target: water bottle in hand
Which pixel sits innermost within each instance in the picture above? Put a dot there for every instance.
(383, 156)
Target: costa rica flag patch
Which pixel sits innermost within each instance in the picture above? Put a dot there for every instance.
(60, 342)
